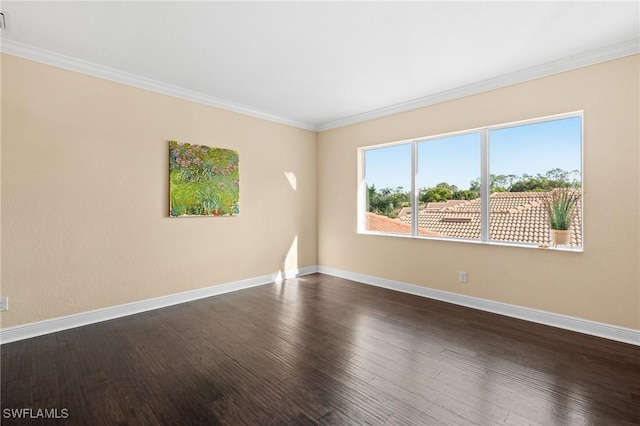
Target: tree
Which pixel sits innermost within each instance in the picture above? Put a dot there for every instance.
(557, 175)
(387, 202)
(533, 184)
(435, 195)
(465, 194)
(443, 192)
(554, 178)
(499, 183)
(474, 185)
(445, 185)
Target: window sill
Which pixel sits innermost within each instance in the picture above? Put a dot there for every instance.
(490, 243)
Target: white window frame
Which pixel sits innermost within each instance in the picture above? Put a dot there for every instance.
(485, 172)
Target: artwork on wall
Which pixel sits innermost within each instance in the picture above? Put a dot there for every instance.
(203, 181)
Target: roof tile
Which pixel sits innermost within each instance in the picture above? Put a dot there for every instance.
(384, 224)
(515, 217)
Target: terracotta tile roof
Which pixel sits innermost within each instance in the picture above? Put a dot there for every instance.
(384, 224)
(432, 206)
(515, 216)
(438, 206)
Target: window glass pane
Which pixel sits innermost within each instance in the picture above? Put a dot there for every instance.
(530, 165)
(388, 188)
(449, 187)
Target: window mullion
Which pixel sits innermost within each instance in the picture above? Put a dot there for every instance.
(485, 190)
(414, 188)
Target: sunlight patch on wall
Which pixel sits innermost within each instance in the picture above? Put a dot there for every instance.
(289, 267)
(291, 177)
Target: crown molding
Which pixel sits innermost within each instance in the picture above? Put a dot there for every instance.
(67, 62)
(629, 47)
(592, 57)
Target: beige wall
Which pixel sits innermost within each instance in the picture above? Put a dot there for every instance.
(601, 284)
(85, 195)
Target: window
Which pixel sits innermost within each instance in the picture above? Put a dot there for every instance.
(491, 185)
(446, 166)
(388, 186)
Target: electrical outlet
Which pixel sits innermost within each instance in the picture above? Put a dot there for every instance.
(4, 303)
(462, 277)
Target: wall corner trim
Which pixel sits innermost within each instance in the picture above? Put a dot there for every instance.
(67, 62)
(26, 331)
(607, 53)
(607, 331)
(592, 57)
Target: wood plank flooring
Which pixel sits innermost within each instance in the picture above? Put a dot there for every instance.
(322, 350)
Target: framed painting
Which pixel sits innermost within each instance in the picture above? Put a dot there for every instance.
(203, 181)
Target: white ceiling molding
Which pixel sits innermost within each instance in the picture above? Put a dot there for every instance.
(592, 57)
(62, 61)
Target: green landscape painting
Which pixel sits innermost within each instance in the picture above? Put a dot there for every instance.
(203, 181)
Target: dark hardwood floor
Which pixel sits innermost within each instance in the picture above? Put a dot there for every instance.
(322, 350)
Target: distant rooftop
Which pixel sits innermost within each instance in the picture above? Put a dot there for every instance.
(515, 217)
(395, 226)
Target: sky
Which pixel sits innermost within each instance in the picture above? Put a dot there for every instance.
(526, 149)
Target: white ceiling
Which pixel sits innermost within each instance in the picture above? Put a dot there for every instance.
(318, 65)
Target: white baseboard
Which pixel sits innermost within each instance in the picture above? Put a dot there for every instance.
(607, 331)
(26, 331)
